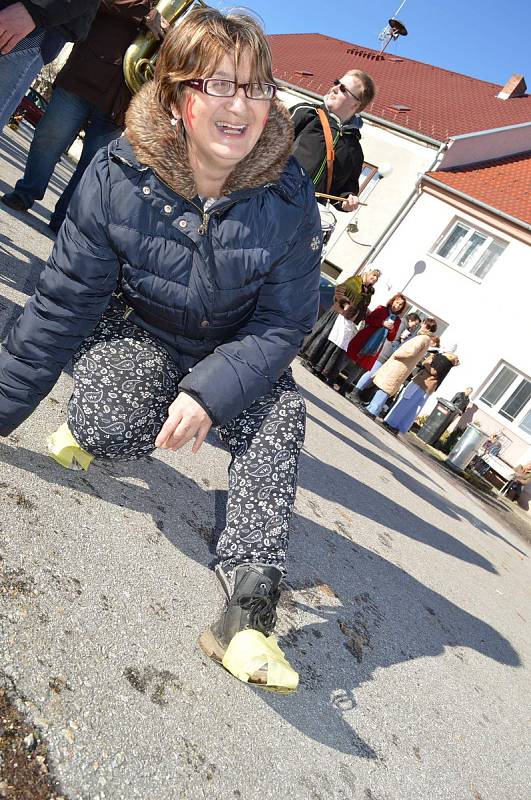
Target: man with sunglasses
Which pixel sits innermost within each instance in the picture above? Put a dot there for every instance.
(342, 104)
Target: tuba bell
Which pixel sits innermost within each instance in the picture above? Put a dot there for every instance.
(141, 55)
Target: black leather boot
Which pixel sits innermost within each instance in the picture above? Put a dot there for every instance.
(252, 593)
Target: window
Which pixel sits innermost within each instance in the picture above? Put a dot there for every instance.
(498, 386)
(471, 250)
(508, 393)
(330, 269)
(367, 181)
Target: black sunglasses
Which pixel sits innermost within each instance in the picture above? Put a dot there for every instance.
(343, 89)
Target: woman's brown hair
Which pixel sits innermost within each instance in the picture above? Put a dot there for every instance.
(398, 296)
(195, 47)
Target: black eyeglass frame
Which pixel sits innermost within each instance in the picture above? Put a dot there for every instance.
(344, 90)
(201, 84)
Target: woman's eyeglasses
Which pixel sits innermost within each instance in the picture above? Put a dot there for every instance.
(343, 89)
(218, 87)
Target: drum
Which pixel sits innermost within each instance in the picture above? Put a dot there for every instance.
(328, 223)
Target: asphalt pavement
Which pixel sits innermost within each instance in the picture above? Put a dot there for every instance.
(405, 610)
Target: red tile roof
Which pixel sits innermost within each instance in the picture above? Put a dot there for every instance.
(504, 184)
(442, 103)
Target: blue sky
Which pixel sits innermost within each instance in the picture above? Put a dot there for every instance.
(477, 37)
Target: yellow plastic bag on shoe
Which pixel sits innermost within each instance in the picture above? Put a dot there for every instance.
(64, 449)
(249, 651)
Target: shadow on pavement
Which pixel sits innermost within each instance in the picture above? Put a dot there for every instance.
(417, 488)
(329, 482)
(367, 613)
(27, 217)
(25, 270)
(16, 155)
(357, 429)
(375, 616)
(17, 274)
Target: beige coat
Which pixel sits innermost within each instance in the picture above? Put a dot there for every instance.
(396, 369)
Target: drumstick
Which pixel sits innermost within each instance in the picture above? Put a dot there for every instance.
(334, 197)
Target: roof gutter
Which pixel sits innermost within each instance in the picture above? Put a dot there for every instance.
(400, 129)
(489, 131)
(370, 117)
(485, 206)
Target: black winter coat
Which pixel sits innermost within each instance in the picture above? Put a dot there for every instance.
(230, 294)
(72, 18)
(310, 149)
(94, 70)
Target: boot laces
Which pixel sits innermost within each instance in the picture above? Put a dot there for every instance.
(262, 609)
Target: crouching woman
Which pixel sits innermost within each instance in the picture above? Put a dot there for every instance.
(183, 283)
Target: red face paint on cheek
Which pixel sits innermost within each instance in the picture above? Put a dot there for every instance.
(189, 113)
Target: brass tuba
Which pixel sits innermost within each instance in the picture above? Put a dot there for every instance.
(141, 55)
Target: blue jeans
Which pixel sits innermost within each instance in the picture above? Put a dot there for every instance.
(366, 378)
(377, 402)
(18, 70)
(65, 116)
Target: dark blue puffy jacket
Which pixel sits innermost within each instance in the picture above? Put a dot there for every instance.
(230, 293)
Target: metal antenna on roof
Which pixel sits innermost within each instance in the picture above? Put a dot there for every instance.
(393, 30)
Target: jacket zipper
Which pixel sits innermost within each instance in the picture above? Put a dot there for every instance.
(203, 228)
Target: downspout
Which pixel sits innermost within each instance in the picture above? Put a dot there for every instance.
(404, 209)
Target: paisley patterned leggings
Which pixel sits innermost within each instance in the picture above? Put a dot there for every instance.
(124, 381)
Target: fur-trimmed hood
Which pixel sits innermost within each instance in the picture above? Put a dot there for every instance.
(162, 147)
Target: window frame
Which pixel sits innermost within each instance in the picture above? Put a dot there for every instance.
(368, 184)
(490, 239)
(496, 407)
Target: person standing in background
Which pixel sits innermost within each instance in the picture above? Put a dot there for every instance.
(399, 367)
(323, 351)
(414, 395)
(461, 400)
(381, 325)
(90, 93)
(408, 329)
(492, 447)
(31, 35)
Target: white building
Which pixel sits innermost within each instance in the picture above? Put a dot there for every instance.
(418, 110)
(463, 255)
(450, 222)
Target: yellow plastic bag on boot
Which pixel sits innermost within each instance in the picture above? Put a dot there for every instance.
(64, 449)
(249, 651)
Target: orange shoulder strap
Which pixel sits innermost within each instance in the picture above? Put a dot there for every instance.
(329, 148)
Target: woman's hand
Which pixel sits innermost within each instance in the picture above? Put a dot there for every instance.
(344, 309)
(186, 420)
(389, 324)
(341, 306)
